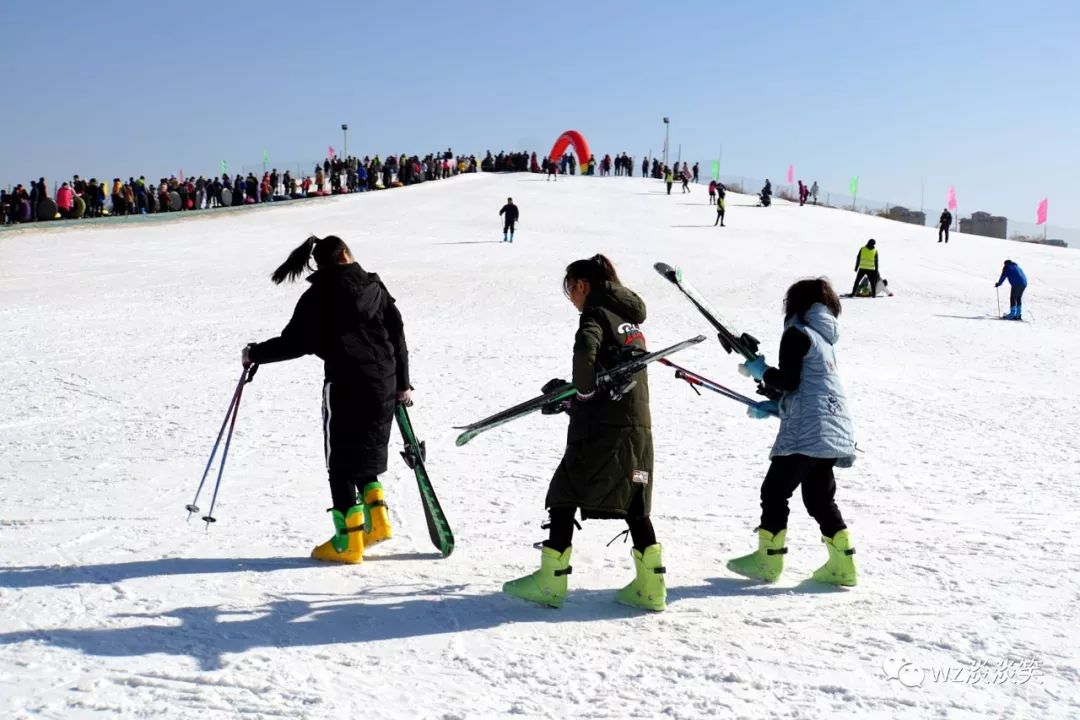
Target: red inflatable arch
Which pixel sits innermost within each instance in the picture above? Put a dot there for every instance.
(568, 138)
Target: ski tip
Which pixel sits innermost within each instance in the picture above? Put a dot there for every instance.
(698, 339)
(667, 271)
(463, 438)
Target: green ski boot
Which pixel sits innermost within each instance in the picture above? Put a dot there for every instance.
(767, 562)
(840, 569)
(546, 586)
(648, 590)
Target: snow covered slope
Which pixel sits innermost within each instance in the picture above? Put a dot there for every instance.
(121, 346)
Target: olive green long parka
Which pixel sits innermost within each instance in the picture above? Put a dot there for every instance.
(609, 448)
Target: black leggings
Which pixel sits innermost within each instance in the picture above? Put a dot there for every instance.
(815, 475)
(345, 486)
(561, 530)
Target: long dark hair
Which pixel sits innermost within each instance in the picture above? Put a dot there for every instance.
(806, 293)
(326, 251)
(596, 271)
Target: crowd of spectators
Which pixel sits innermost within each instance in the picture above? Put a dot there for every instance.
(79, 198)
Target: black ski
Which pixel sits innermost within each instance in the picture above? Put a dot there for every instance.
(615, 382)
(731, 340)
(414, 454)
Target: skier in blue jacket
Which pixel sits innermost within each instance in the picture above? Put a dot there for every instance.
(1018, 282)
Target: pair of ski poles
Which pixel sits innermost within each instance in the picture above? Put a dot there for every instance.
(246, 376)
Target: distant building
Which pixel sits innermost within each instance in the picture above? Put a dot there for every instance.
(1056, 242)
(902, 214)
(985, 224)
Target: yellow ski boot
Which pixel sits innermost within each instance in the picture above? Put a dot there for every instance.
(347, 544)
(648, 590)
(840, 569)
(767, 562)
(546, 586)
(376, 518)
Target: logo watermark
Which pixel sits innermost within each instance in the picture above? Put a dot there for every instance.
(1008, 671)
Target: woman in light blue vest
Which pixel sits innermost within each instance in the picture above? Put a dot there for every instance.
(815, 435)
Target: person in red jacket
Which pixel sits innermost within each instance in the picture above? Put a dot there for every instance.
(65, 199)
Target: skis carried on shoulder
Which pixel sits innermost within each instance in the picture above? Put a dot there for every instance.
(615, 382)
(731, 340)
(414, 455)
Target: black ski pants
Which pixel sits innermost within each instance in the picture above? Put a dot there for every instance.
(561, 526)
(815, 475)
(1016, 294)
(872, 274)
(943, 233)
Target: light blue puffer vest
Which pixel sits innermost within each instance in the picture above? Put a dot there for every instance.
(814, 420)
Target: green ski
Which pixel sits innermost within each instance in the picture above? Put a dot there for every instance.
(415, 454)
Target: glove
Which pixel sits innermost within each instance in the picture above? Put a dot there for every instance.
(552, 384)
(245, 355)
(404, 397)
(762, 410)
(997, 284)
(754, 368)
(556, 407)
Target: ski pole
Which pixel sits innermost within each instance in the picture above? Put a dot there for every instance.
(193, 507)
(209, 517)
(997, 290)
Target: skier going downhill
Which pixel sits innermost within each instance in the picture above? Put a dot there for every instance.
(944, 223)
(607, 467)
(815, 435)
(347, 318)
(1018, 282)
(510, 216)
(721, 204)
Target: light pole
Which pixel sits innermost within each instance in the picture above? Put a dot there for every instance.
(667, 136)
(345, 131)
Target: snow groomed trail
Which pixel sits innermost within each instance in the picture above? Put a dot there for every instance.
(121, 345)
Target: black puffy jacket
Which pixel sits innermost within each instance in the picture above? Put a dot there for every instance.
(349, 319)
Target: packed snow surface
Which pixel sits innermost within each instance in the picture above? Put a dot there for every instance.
(121, 345)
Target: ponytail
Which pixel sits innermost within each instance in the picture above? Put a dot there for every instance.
(596, 271)
(326, 251)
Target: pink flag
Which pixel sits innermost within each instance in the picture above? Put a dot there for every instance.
(952, 198)
(790, 174)
(331, 155)
(1040, 214)
(181, 174)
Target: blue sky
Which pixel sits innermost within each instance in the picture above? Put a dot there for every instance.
(980, 95)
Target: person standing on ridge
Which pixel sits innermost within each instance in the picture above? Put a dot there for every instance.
(816, 434)
(814, 191)
(510, 215)
(1018, 282)
(669, 179)
(607, 466)
(685, 179)
(944, 223)
(349, 320)
(866, 265)
(712, 191)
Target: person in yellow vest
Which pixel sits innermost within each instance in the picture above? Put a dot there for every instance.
(866, 265)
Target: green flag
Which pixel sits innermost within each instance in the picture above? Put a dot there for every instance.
(224, 167)
(854, 186)
(266, 156)
(716, 170)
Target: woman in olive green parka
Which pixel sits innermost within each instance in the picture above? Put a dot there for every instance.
(607, 467)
